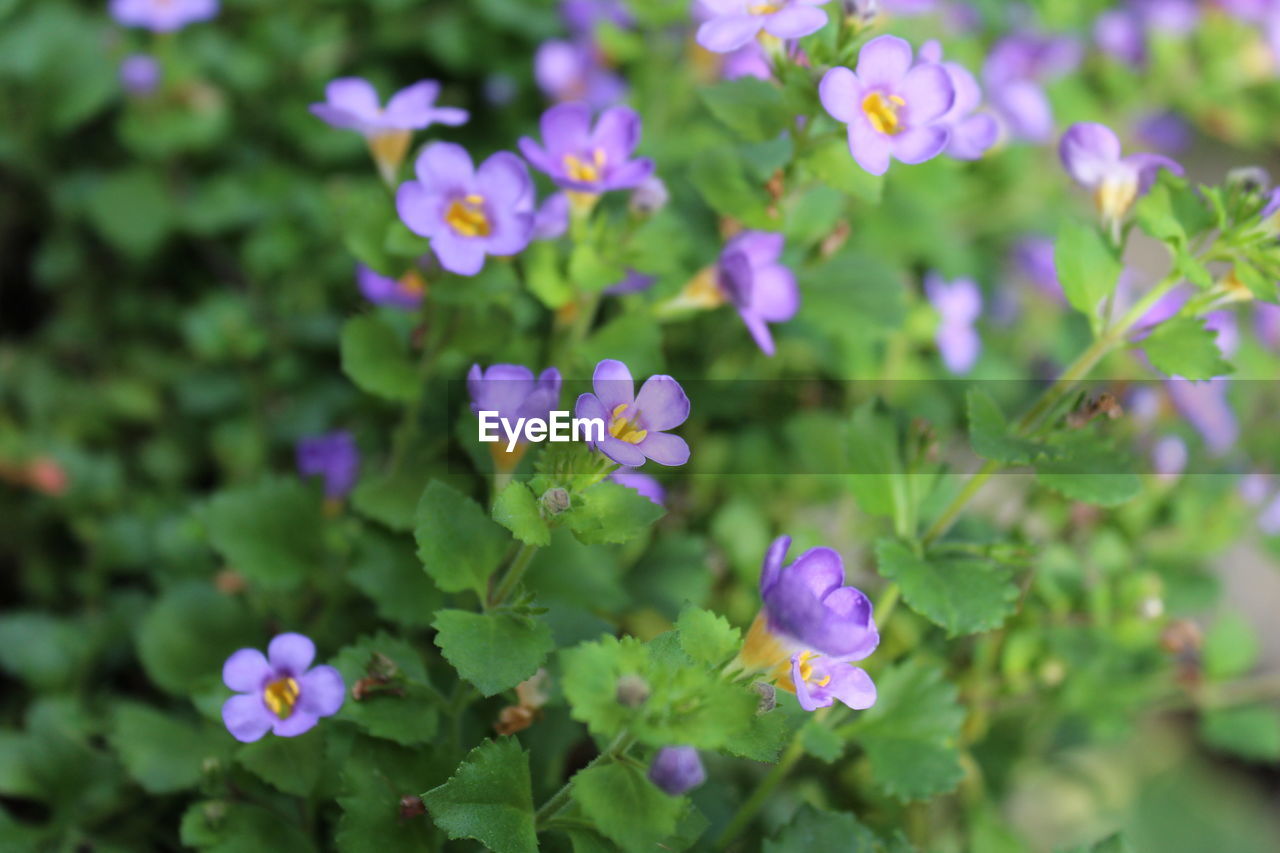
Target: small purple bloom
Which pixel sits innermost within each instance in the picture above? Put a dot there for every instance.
(568, 71)
(972, 132)
(677, 769)
(279, 692)
(162, 16)
(140, 74)
(351, 103)
(1091, 154)
(589, 159)
(1253, 488)
(819, 681)
(807, 607)
(635, 282)
(1167, 132)
(1119, 34)
(1269, 521)
(1015, 71)
(733, 23)
(583, 16)
(1033, 257)
(890, 107)
(959, 304)
(551, 220)
(750, 277)
(512, 392)
(405, 292)
(1267, 323)
(642, 483)
(1169, 457)
(334, 457)
(1205, 406)
(636, 424)
(467, 212)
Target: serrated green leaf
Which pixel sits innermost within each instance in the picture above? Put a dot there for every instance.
(405, 710)
(228, 826)
(376, 359)
(489, 798)
(812, 830)
(265, 531)
(375, 775)
(751, 107)
(291, 764)
(962, 594)
(162, 751)
(991, 437)
(707, 637)
(185, 638)
(459, 545)
(494, 651)
(1251, 731)
(1085, 469)
(388, 572)
(625, 806)
(821, 741)
(610, 513)
(1087, 266)
(517, 510)
(765, 737)
(1185, 347)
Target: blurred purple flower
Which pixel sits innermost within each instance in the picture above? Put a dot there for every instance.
(1091, 154)
(512, 392)
(279, 692)
(1269, 521)
(636, 423)
(140, 74)
(1167, 132)
(583, 16)
(1228, 331)
(1253, 488)
(972, 133)
(750, 60)
(1205, 406)
(351, 103)
(1169, 457)
(819, 681)
(890, 107)
(734, 23)
(589, 159)
(1014, 73)
(959, 304)
(908, 8)
(1033, 258)
(405, 292)
(568, 71)
(468, 213)
(551, 220)
(751, 278)
(334, 457)
(1119, 33)
(677, 770)
(1267, 324)
(642, 483)
(162, 16)
(635, 282)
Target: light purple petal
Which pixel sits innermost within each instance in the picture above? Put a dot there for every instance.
(629, 175)
(512, 231)
(809, 698)
(321, 691)
(458, 254)
(883, 62)
(1025, 108)
(589, 406)
(504, 180)
(793, 22)
(870, 149)
(444, 165)
(721, 35)
(760, 247)
(338, 117)
(419, 209)
(451, 116)
(662, 404)
(665, 448)
(929, 94)
(628, 455)
(775, 296)
(852, 686)
(919, 144)
(841, 94)
(565, 129)
(959, 346)
(759, 330)
(968, 94)
(642, 483)
(413, 104)
(773, 560)
(538, 156)
(613, 384)
(297, 723)
(246, 717)
(1089, 151)
(617, 132)
(246, 670)
(355, 95)
(291, 654)
(1148, 167)
(973, 137)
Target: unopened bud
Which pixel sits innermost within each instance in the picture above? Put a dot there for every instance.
(555, 501)
(768, 696)
(633, 691)
(650, 197)
(412, 806)
(1251, 179)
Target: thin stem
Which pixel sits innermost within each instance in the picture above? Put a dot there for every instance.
(515, 572)
(560, 799)
(747, 811)
(408, 427)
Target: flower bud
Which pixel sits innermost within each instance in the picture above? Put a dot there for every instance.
(633, 691)
(411, 806)
(1250, 179)
(768, 696)
(677, 769)
(650, 197)
(555, 501)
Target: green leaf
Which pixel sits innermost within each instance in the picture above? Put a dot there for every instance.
(1087, 266)
(909, 734)
(543, 274)
(1231, 647)
(1085, 469)
(489, 798)
(388, 572)
(632, 338)
(964, 594)
(707, 637)
(812, 830)
(592, 271)
(610, 513)
(291, 764)
(625, 806)
(874, 462)
(40, 649)
(132, 210)
(494, 651)
(517, 510)
(723, 184)
(228, 826)
(1185, 347)
(459, 545)
(266, 531)
(832, 164)
(162, 751)
(405, 709)
(765, 737)
(1155, 215)
(991, 437)
(375, 775)
(376, 359)
(185, 638)
(749, 106)
(821, 741)
(1111, 844)
(1251, 731)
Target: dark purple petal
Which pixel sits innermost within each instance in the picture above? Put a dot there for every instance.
(820, 570)
(291, 654)
(773, 560)
(677, 769)
(246, 671)
(759, 330)
(662, 404)
(321, 691)
(246, 717)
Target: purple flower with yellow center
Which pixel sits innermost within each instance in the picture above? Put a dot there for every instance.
(405, 292)
(807, 608)
(891, 107)
(334, 457)
(1092, 155)
(677, 770)
(468, 213)
(636, 424)
(512, 391)
(733, 23)
(972, 132)
(819, 681)
(279, 692)
(140, 74)
(585, 159)
(959, 304)
(162, 16)
(642, 483)
(351, 103)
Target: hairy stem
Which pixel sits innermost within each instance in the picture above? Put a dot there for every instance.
(514, 574)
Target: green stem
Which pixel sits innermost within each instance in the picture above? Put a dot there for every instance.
(515, 572)
(747, 811)
(560, 798)
(408, 427)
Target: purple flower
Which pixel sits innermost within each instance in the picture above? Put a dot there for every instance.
(351, 103)
(1267, 323)
(567, 71)
(635, 282)
(404, 292)
(1205, 406)
(280, 692)
(972, 133)
(677, 769)
(551, 220)
(733, 23)
(583, 16)
(162, 16)
(1033, 257)
(1269, 520)
(636, 423)
(1091, 154)
(750, 277)
(1169, 457)
(1015, 71)
(334, 457)
(890, 107)
(642, 483)
(819, 681)
(1119, 34)
(959, 304)
(807, 608)
(1167, 131)
(467, 212)
(140, 74)
(1253, 488)
(750, 60)
(589, 159)
(1224, 324)
(512, 392)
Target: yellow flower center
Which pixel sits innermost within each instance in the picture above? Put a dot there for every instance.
(281, 695)
(466, 216)
(625, 429)
(587, 171)
(764, 9)
(411, 284)
(806, 670)
(883, 112)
